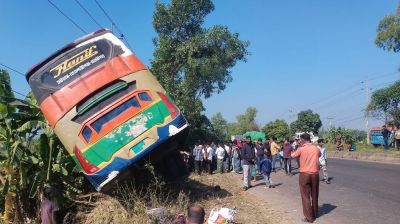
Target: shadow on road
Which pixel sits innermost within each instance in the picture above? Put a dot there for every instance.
(325, 209)
(263, 184)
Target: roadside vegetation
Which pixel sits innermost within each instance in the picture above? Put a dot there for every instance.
(133, 202)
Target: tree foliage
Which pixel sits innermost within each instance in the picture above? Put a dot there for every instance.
(388, 37)
(347, 135)
(190, 61)
(245, 122)
(307, 121)
(385, 103)
(220, 127)
(278, 129)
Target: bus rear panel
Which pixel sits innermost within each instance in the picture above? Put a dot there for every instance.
(106, 107)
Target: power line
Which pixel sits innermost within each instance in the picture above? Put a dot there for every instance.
(381, 76)
(18, 93)
(341, 91)
(113, 23)
(354, 119)
(88, 13)
(12, 69)
(65, 15)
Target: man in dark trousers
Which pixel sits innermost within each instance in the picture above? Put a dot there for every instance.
(249, 157)
(386, 135)
(260, 153)
(309, 176)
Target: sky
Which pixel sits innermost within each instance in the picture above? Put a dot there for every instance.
(308, 54)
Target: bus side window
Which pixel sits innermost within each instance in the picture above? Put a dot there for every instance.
(144, 97)
(87, 134)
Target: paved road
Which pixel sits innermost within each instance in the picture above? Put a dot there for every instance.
(360, 192)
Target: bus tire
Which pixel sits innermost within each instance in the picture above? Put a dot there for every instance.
(171, 166)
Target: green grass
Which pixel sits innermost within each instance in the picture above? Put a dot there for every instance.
(370, 149)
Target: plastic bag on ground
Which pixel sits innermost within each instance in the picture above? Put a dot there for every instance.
(221, 215)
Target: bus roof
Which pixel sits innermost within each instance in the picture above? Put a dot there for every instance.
(67, 47)
(376, 129)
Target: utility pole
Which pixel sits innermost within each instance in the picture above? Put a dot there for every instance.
(367, 98)
(330, 121)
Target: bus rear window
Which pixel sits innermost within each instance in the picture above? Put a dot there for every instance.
(144, 97)
(87, 134)
(98, 125)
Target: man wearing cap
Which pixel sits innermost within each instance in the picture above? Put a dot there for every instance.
(309, 176)
(249, 156)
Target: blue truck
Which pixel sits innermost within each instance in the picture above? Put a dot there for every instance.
(376, 137)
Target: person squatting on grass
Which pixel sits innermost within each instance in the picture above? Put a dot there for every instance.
(309, 176)
(322, 160)
(195, 215)
(266, 169)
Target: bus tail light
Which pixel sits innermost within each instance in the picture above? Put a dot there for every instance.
(171, 107)
(86, 165)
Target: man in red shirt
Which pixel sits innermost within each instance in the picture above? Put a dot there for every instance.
(309, 176)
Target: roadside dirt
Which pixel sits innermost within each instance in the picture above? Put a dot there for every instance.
(209, 191)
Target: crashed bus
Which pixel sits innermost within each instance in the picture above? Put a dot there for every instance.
(106, 107)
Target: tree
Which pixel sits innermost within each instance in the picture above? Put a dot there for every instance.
(388, 37)
(220, 127)
(278, 129)
(190, 61)
(31, 156)
(348, 135)
(307, 121)
(247, 121)
(385, 102)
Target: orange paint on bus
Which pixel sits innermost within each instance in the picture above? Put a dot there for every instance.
(62, 101)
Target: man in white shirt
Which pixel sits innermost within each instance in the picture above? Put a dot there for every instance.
(322, 160)
(210, 155)
(228, 158)
(220, 158)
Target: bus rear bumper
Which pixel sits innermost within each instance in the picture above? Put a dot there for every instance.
(170, 137)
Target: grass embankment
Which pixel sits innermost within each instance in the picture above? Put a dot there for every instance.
(362, 147)
(130, 206)
(366, 152)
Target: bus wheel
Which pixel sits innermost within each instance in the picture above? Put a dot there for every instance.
(172, 166)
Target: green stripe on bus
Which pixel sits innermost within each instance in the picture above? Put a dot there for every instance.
(107, 146)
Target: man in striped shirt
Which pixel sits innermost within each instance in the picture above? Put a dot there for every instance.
(198, 154)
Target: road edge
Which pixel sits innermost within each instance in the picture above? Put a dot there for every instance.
(364, 156)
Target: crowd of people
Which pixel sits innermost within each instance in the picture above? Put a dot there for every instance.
(250, 158)
(260, 158)
(391, 136)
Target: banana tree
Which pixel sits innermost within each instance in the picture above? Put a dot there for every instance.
(31, 156)
(14, 167)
